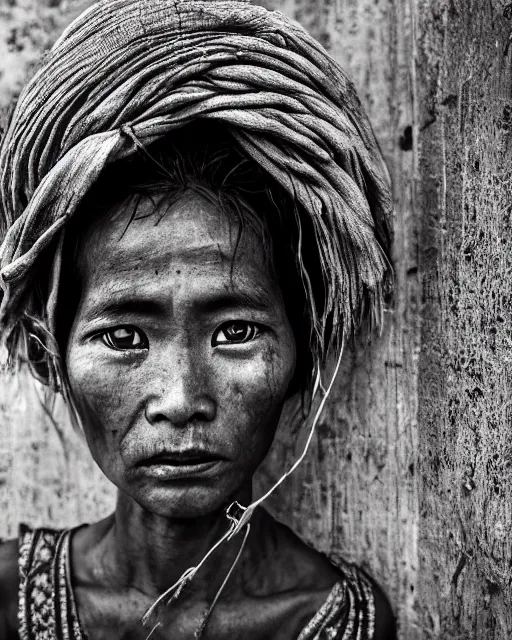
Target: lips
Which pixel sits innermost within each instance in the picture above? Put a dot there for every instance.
(175, 465)
(180, 458)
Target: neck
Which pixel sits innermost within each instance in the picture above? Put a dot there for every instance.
(150, 552)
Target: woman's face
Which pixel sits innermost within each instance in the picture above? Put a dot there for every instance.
(180, 355)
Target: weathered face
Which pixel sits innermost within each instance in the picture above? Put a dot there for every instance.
(180, 355)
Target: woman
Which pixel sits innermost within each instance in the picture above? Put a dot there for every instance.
(197, 217)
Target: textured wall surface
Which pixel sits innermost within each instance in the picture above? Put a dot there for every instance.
(410, 471)
(465, 76)
(356, 493)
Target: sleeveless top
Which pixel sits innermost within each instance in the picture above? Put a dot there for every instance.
(47, 608)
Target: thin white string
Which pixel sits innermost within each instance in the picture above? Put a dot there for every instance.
(202, 626)
(153, 630)
(176, 588)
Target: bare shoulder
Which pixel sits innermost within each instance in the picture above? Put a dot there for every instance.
(299, 567)
(295, 565)
(8, 589)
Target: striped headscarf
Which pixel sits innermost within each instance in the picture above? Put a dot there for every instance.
(128, 72)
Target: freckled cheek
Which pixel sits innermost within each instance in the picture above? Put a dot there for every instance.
(105, 399)
(250, 396)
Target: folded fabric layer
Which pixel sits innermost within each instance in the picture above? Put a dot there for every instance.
(128, 72)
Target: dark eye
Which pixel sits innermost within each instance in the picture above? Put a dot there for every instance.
(125, 338)
(235, 333)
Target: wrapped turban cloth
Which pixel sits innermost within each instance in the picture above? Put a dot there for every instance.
(128, 72)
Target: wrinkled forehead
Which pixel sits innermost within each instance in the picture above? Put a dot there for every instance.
(158, 233)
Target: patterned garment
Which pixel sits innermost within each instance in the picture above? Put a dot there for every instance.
(47, 608)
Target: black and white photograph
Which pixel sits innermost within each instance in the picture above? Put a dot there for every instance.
(255, 320)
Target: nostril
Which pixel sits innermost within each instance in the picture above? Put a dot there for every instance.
(178, 411)
(207, 411)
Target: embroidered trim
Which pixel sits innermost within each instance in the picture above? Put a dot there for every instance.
(348, 613)
(46, 607)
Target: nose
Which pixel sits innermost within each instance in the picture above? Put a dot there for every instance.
(180, 393)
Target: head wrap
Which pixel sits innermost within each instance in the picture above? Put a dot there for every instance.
(127, 72)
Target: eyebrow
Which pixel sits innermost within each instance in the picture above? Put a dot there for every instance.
(256, 299)
(127, 305)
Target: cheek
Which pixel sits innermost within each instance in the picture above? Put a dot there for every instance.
(103, 403)
(252, 395)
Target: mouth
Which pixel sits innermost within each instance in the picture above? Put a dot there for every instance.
(170, 465)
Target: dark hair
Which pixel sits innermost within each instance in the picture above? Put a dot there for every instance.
(205, 160)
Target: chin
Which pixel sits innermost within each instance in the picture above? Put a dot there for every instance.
(183, 502)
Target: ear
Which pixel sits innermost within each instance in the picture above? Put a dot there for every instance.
(303, 371)
(295, 385)
(39, 350)
(38, 359)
